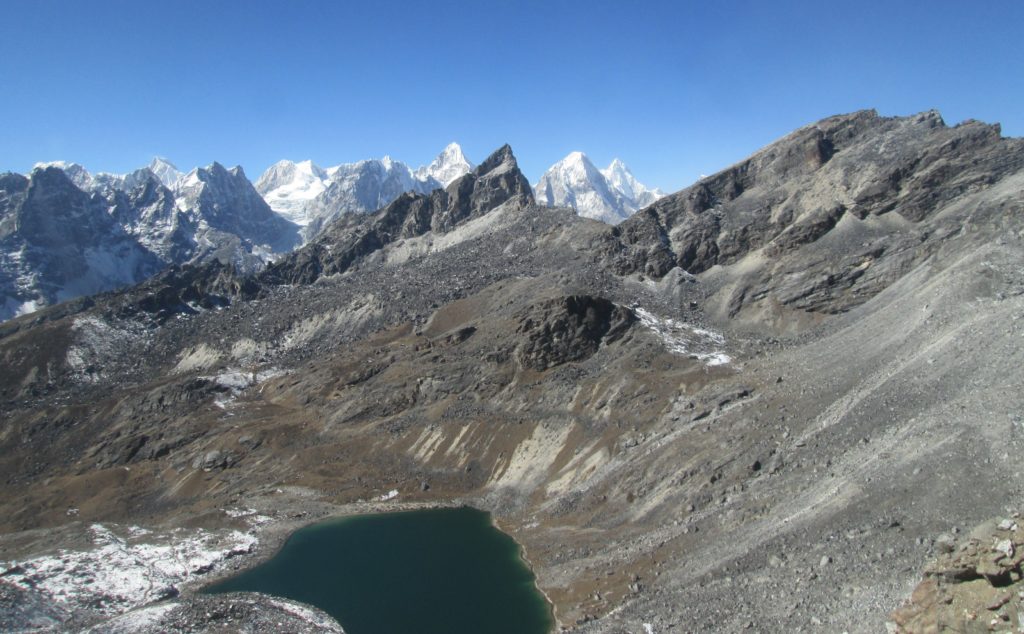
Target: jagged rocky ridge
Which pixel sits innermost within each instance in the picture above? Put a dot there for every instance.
(494, 182)
(58, 242)
(557, 372)
(67, 233)
(871, 210)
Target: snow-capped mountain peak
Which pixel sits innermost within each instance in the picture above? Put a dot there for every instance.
(78, 174)
(308, 167)
(577, 166)
(224, 200)
(611, 195)
(362, 187)
(102, 182)
(621, 178)
(311, 196)
(289, 187)
(88, 233)
(166, 171)
(449, 165)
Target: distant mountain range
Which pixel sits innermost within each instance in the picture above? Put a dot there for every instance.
(311, 196)
(65, 232)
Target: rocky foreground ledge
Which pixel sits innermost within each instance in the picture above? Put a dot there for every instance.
(976, 584)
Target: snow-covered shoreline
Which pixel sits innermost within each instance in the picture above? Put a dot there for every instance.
(127, 566)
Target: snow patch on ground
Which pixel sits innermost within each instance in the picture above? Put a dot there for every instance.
(127, 568)
(265, 253)
(681, 338)
(238, 380)
(25, 308)
(390, 495)
(252, 516)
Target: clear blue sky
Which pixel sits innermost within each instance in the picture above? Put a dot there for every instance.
(675, 89)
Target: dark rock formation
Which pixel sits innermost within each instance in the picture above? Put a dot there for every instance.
(569, 329)
(58, 242)
(188, 289)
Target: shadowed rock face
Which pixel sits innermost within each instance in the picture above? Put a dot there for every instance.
(569, 329)
(188, 289)
(65, 233)
(771, 440)
(58, 242)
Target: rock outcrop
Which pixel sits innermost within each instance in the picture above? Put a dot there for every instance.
(975, 585)
(569, 329)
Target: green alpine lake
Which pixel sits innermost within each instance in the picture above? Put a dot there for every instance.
(435, 571)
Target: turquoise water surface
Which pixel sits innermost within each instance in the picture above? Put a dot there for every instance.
(437, 571)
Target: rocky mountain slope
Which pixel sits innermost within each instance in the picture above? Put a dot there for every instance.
(224, 204)
(610, 195)
(763, 403)
(68, 233)
(57, 243)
